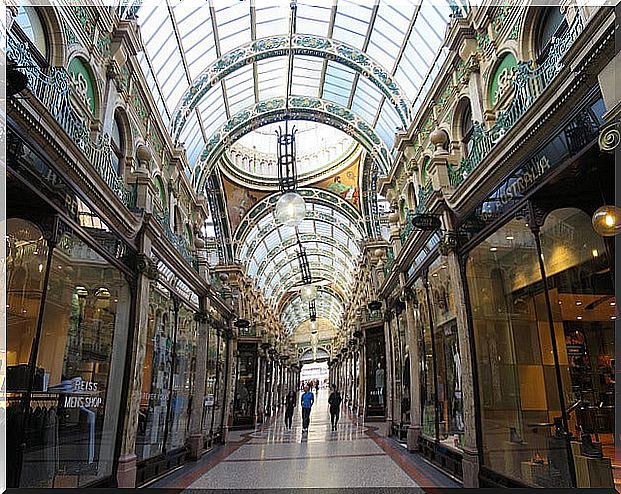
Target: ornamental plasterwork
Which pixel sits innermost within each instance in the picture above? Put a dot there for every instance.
(315, 46)
(80, 84)
(300, 108)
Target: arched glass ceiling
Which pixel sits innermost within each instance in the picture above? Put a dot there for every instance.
(327, 304)
(182, 38)
(330, 234)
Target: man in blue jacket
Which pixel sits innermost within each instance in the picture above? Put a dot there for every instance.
(307, 403)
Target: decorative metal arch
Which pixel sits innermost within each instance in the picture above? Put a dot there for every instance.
(312, 195)
(300, 108)
(294, 305)
(277, 46)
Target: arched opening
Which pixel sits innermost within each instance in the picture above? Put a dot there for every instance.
(32, 32)
(84, 83)
(466, 129)
(551, 25)
(315, 371)
(117, 142)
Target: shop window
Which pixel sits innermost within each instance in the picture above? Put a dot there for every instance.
(401, 397)
(448, 360)
(467, 130)
(211, 383)
(582, 296)
(118, 145)
(375, 372)
(182, 378)
(83, 83)
(31, 31)
(552, 24)
(69, 424)
(423, 333)
(521, 417)
(244, 403)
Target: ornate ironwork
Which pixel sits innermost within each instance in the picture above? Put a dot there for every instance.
(178, 242)
(53, 89)
(529, 82)
(610, 136)
(285, 152)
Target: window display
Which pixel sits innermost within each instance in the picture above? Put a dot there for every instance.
(243, 410)
(211, 382)
(60, 403)
(521, 409)
(428, 386)
(375, 372)
(448, 360)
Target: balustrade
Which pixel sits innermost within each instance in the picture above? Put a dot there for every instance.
(528, 84)
(52, 87)
(179, 242)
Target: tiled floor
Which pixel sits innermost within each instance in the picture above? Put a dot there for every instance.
(357, 455)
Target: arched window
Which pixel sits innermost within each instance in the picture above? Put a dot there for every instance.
(467, 129)
(32, 30)
(118, 145)
(552, 24)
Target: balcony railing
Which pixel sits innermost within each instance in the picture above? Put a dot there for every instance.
(424, 193)
(179, 242)
(51, 86)
(527, 86)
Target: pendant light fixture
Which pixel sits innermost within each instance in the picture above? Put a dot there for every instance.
(290, 208)
(607, 220)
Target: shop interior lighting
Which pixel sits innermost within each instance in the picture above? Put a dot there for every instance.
(606, 220)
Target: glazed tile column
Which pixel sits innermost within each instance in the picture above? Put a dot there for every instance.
(415, 427)
(147, 273)
(195, 439)
(457, 274)
(388, 370)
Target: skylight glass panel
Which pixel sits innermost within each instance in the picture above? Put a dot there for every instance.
(271, 18)
(351, 23)
(241, 89)
(212, 110)
(388, 33)
(313, 18)
(306, 73)
(366, 100)
(272, 240)
(272, 76)
(233, 25)
(338, 83)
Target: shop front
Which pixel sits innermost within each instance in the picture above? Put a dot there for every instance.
(69, 311)
(375, 366)
(542, 310)
(168, 376)
(245, 385)
(431, 293)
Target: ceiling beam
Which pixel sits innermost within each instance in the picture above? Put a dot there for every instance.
(216, 40)
(324, 68)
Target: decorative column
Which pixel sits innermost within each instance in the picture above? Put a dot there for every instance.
(195, 439)
(411, 336)
(457, 273)
(388, 370)
(230, 372)
(147, 272)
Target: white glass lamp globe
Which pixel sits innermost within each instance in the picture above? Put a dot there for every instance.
(308, 293)
(607, 220)
(290, 209)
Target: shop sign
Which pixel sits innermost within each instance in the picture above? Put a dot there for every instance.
(427, 222)
(524, 179)
(83, 400)
(209, 400)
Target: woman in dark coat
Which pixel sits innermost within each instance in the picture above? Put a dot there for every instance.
(289, 406)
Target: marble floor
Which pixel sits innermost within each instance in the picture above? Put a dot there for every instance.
(356, 456)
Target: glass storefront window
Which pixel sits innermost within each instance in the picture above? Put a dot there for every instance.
(243, 409)
(156, 376)
(183, 378)
(375, 367)
(423, 323)
(519, 396)
(577, 265)
(210, 381)
(448, 360)
(69, 425)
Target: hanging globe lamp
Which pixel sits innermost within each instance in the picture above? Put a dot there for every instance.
(290, 209)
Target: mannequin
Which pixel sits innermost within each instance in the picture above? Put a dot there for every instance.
(379, 382)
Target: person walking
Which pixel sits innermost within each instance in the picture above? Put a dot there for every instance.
(307, 403)
(334, 402)
(289, 406)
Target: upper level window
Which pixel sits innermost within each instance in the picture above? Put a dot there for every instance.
(118, 149)
(30, 24)
(551, 25)
(467, 129)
